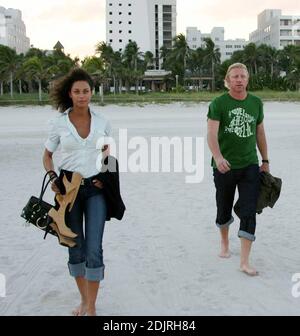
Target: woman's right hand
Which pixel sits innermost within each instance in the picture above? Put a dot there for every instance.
(54, 186)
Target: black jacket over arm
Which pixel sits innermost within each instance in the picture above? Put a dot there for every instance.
(109, 176)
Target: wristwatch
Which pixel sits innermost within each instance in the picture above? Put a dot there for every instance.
(265, 161)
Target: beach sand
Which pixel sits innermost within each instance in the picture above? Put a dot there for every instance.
(162, 258)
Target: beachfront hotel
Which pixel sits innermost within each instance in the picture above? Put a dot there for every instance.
(13, 30)
(195, 39)
(150, 23)
(276, 30)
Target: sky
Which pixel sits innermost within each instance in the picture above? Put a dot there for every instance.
(80, 24)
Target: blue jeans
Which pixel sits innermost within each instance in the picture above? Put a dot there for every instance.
(86, 258)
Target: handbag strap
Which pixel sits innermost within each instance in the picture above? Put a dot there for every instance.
(45, 186)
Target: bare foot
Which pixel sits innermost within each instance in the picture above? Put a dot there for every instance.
(225, 253)
(81, 310)
(249, 270)
(91, 312)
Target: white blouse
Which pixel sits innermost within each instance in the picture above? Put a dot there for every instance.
(77, 154)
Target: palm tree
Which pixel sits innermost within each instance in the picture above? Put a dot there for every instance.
(211, 56)
(131, 59)
(251, 55)
(148, 60)
(36, 70)
(9, 61)
(110, 60)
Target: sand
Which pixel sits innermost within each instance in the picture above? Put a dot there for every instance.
(161, 259)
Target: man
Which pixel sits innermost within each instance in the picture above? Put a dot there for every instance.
(235, 126)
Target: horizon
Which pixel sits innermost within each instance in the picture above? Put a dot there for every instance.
(89, 26)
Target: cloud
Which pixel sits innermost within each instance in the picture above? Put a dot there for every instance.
(74, 11)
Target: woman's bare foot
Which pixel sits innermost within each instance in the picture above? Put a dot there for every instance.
(81, 310)
(91, 312)
(225, 253)
(248, 270)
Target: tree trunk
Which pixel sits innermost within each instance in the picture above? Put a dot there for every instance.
(121, 85)
(213, 76)
(11, 85)
(40, 90)
(1, 88)
(20, 86)
(114, 84)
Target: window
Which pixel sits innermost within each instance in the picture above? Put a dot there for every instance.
(120, 41)
(129, 31)
(110, 4)
(228, 46)
(129, 5)
(217, 39)
(110, 22)
(110, 13)
(129, 22)
(237, 46)
(129, 40)
(129, 13)
(120, 13)
(194, 39)
(120, 22)
(120, 31)
(120, 4)
(110, 41)
(120, 49)
(110, 31)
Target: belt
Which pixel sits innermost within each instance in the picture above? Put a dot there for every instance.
(87, 181)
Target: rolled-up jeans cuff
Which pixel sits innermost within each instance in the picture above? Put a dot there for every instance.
(220, 226)
(246, 235)
(77, 270)
(95, 274)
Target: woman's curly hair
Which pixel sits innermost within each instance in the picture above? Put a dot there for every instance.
(59, 93)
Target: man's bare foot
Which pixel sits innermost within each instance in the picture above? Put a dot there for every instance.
(248, 270)
(225, 253)
(81, 310)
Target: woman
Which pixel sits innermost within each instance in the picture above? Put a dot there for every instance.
(77, 130)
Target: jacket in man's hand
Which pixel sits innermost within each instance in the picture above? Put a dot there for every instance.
(269, 192)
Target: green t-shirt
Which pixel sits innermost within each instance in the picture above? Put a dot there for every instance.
(237, 130)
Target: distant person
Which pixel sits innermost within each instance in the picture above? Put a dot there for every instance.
(235, 127)
(77, 131)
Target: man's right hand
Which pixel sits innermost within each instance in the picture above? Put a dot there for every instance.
(223, 165)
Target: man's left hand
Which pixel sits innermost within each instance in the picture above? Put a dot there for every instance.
(265, 167)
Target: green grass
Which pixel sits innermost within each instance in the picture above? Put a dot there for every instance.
(154, 97)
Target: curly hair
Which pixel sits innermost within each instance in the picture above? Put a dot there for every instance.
(59, 93)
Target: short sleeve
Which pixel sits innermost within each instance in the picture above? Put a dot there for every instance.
(260, 117)
(53, 140)
(213, 112)
(108, 129)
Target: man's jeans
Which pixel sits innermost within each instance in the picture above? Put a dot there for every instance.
(86, 259)
(247, 181)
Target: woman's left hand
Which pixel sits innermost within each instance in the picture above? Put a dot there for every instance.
(98, 184)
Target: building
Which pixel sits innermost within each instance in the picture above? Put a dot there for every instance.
(276, 30)
(13, 30)
(150, 23)
(195, 39)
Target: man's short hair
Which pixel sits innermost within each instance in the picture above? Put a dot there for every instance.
(234, 66)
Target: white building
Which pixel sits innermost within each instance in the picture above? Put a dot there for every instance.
(276, 30)
(195, 39)
(150, 23)
(13, 30)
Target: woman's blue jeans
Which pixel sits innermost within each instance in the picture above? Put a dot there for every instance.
(86, 258)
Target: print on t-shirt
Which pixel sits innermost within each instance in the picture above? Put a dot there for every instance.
(240, 123)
